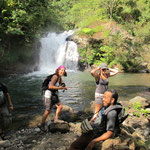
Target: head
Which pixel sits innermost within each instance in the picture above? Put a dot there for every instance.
(61, 71)
(110, 97)
(103, 67)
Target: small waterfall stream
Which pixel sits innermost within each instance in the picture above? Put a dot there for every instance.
(55, 51)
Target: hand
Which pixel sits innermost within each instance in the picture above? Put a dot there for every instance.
(98, 68)
(101, 72)
(65, 88)
(11, 107)
(90, 146)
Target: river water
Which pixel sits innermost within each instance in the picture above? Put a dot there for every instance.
(25, 90)
(26, 95)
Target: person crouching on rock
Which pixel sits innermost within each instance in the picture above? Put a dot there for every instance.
(51, 95)
(105, 130)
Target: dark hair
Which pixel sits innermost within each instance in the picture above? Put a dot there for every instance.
(114, 94)
(65, 73)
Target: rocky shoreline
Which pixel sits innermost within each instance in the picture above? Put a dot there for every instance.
(135, 131)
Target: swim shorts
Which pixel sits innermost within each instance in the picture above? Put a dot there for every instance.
(99, 98)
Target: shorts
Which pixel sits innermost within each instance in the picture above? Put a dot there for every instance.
(48, 100)
(99, 98)
(5, 117)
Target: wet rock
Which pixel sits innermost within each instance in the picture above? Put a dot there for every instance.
(125, 141)
(37, 129)
(4, 143)
(143, 101)
(134, 132)
(66, 109)
(59, 127)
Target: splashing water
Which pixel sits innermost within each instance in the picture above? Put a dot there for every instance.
(55, 51)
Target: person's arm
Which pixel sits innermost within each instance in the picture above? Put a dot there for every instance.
(9, 101)
(52, 84)
(95, 74)
(113, 72)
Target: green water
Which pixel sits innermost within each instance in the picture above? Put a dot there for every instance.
(26, 95)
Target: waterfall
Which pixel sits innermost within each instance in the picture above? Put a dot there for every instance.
(56, 51)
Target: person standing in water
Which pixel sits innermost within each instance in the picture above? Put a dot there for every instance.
(51, 96)
(101, 83)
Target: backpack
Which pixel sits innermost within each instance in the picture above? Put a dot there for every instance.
(46, 82)
(98, 123)
(2, 98)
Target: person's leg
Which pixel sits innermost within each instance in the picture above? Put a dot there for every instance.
(98, 103)
(1, 122)
(82, 142)
(45, 115)
(5, 121)
(1, 133)
(97, 108)
(58, 111)
(47, 104)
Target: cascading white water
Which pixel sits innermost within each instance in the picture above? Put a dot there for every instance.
(55, 51)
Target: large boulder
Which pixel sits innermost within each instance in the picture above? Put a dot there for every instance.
(144, 102)
(124, 141)
(59, 127)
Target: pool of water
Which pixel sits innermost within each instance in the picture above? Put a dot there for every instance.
(25, 90)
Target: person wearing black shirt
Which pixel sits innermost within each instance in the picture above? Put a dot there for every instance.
(4, 111)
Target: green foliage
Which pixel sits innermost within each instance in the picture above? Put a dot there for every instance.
(88, 56)
(107, 54)
(90, 32)
(137, 114)
(126, 52)
(145, 112)
(87, 31)
(21, 21)
(137, 105)
(134, 17)
(139, 110)
(85, 11)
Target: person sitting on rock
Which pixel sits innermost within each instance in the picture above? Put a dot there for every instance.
(51, 96)
(5, 119)
(87, 140)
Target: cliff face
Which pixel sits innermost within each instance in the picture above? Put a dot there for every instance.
(122, 43)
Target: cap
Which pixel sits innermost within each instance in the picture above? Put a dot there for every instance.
(103, 66)
(60, 67)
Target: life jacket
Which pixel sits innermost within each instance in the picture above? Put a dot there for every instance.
(99, 122)
(47, 81)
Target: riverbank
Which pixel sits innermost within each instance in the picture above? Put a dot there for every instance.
(134, 133)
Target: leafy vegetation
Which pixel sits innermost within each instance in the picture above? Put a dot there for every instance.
(118, 30)
(21, 21)
(124, 48)
(139, 110)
